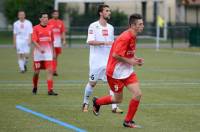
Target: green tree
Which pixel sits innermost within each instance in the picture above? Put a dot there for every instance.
(31, 7)
(118, 18)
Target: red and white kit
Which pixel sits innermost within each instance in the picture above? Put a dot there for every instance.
(43, 57)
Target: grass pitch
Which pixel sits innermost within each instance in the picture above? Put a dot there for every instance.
(170, 82)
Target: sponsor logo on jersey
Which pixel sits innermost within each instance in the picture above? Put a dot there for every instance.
(105, 32)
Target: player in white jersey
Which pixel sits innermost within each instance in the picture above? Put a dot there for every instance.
(100, 38)
(22, 30)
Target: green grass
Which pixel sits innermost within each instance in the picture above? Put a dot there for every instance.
(170, 82)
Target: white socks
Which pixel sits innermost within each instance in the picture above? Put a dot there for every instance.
(113, 105)
(21, 64)
(88, 92)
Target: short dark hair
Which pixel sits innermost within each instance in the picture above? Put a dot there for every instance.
(100, 8)
(133, 18)
(43, 13)
(20, 10)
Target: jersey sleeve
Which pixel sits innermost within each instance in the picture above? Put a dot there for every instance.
(91, 34)
(35, 36)
(30, 28)
(121, 47)
(14, 28)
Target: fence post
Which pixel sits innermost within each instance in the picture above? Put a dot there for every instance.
(172, 37)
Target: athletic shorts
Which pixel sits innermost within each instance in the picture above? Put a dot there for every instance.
(58, 50)
(42, 65)
(98, 74)
(117, 85)
(22, 47)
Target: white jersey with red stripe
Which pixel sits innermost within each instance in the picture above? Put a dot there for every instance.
(99, 54)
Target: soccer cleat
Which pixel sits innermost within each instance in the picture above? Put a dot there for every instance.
(55, 74)
(52, 93)
(22, 71)
(85, 107)
(34, 91)
(95, 107)
(117, 110)
(131, 124)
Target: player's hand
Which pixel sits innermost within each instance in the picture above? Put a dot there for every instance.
(64, 44)
(140, 61)
(14, 46)
(133, 62)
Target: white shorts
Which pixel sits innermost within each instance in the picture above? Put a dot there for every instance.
(22, 47)
(98, 74)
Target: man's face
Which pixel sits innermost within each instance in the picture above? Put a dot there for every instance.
(106, 13)
(21, 15)
(55, 15)
(44, 19)
(139, 26)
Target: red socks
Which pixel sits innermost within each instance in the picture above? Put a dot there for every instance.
(133, 105)
(104, 100)
(54, 65)
(50, 85)
(35, 81)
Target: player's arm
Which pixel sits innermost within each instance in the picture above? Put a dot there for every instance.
(14, 36)
(132, 61)
(98, 43)
(63, 37)
(35, 41)
(14, 40)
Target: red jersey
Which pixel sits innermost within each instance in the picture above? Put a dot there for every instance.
(58, 28)
(124, 46)
(43, 35)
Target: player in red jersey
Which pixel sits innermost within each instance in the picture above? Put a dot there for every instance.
(43, 53)
(59, 37)
(120, 71)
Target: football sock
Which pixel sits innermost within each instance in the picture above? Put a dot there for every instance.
(50, 85)
(113, 105)
(54, 65)
(133, 105)
(21, 64)
(35, 81)
(104, 100)
(88, 92)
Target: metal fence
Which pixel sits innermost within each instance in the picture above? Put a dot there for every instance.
(78, 35)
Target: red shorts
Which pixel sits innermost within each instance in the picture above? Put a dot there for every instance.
(42, 65)
(58, 50)
(117, 85)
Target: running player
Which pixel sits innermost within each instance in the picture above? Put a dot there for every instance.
(43, 53)
(22, 30)
(120, 71)
(100, 38)
(59, 37)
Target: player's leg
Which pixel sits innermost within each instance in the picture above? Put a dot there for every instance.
(133, 86)
(88, 92)
(116, 86)
(49, 69)
(26, 56)
(35, 81)
(21, 62)
(93, 78)
(36, 67)
(58, 51)
(20, 52)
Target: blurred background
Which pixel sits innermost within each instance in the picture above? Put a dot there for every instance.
(181, 19)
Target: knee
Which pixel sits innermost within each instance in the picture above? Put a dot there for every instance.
(138, 95)
(117, 100)
(92, 84)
